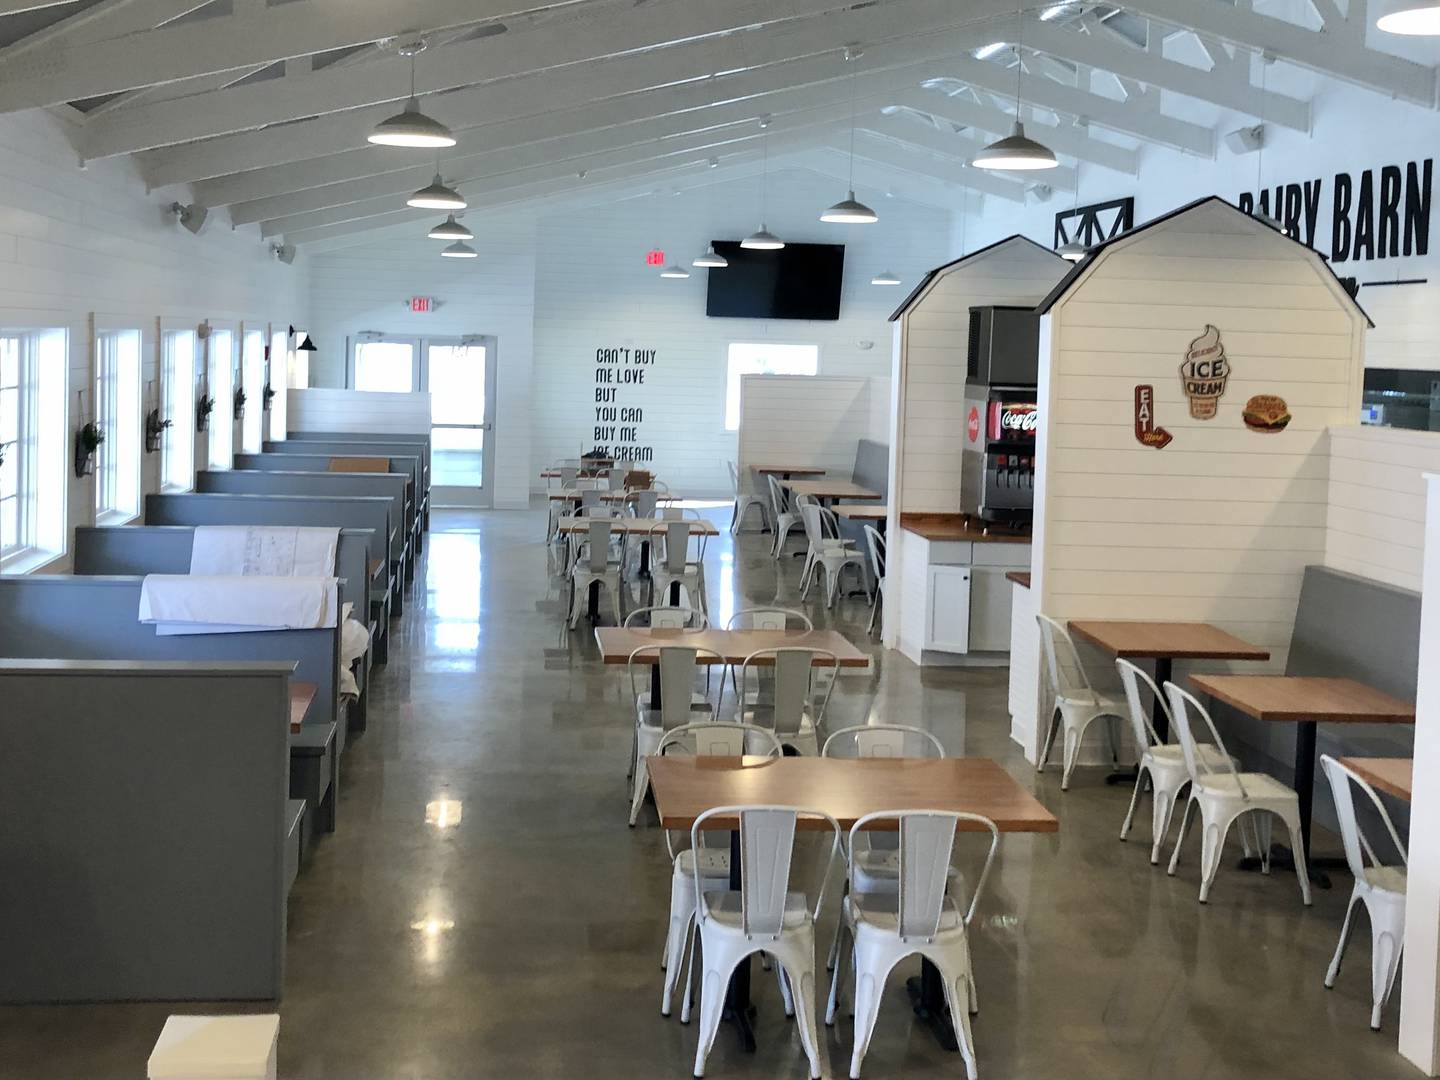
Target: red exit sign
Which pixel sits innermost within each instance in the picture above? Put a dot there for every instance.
(422, 304)
(655, 258)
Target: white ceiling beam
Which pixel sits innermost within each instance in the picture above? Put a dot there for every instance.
(568, 135)
(1330, 51)
(940, 28)
(248, 37)
(833, 161)
(1110, 54)
(896, 153)
(1124, 117)
(1070, 141)
(16, 7)
(952, 153)
(100, 22)
(443, 68)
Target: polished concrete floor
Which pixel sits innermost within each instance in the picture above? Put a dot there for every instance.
(517, 932)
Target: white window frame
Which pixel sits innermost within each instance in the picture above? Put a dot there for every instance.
(297, 368)
(725, 397)
(417, 354)
(254, 339)
(117, 356)
(42, 450)
(277, 377)
(178, 400)
(220, 385)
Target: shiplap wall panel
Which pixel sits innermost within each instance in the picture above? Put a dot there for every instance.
(1407, 326)
(1218, 526)
(1376, 520)
(327, 409)
(803, 420)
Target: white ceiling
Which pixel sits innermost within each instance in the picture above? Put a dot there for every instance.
(262, 106)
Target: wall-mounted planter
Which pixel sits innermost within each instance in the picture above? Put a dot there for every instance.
(239, 404)
(267, 397)
(154, 430)
(203, 408)
(87, 442)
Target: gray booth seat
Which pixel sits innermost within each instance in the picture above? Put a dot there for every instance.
(872, 470)
(372, 513)
(166, 549)
(1350, 627)
(392, 486)
(145, 830)
(365, 446)
(73, 617)
(417, 438)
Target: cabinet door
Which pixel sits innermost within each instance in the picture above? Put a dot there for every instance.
(947, 621)
(990, 596)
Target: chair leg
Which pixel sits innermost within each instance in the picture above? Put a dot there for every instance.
(1212, 846)
(1162, 802)
(1333, 972)
(1180, 839)
(956, 996)
(1385, 949)
(837, 969)
(787, 999)
(1049, 742)
(677, 944)
(713, 983)
(867, 1010)
(1072, 738)
(642, 786)
(1302, 872)
(1134, 799)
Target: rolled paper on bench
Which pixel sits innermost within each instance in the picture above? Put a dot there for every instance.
(266, 550)
(192, 604)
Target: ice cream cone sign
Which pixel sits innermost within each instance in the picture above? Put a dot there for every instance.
(1204, 372)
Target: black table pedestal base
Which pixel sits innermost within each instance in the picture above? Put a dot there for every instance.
(927, 998)
(1282, 858)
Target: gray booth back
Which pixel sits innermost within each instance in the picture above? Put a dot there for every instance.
(142, 831)
(396, 452)
(238, 481)
(421, 439)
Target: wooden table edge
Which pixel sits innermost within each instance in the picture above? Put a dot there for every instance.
(1201, 681)
(1253, 652)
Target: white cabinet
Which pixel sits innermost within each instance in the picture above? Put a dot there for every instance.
(947, 620)
(989, 609)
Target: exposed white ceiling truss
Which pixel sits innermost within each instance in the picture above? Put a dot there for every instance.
(262, 106)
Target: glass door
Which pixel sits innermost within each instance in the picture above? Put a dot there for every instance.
(459, 373)
(385, 364)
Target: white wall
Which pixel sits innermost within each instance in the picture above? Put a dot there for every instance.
(75, 241)
(799, 420)
(1375, 520)
(594, 290)
(365, 287)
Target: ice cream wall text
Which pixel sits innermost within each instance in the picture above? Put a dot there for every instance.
(1204, 372)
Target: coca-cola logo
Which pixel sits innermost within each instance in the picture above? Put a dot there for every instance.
(972, 425)
(1017, 420)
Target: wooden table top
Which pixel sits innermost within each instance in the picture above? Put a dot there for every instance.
(617, 643)
(1306, 697)
(301, 695)
(862, 511)
(789, 470)
(834, 489)
(636, 525)
(845, 788)
(1177, 640)
(1392, 775)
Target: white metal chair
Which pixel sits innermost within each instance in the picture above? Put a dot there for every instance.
(745, 498)
(667, 617)
(593, 564)
(765, 915)
(677, 706)
(670, 562)
(797, 712)
(1225, 794)
(784, 514)
(1379, 887)
(922, 916)
(764, 618)
(1077, 703)
(715, 738)
(828, 552)
(875, 544)
(1163, 762)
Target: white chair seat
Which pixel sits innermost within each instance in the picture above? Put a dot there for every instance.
(1390, 879)
(724, 909)
(714, 863)
(882, 912)
(804, 740)
(1175, 755)
(1258, 787)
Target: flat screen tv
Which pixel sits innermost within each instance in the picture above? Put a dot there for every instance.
(800, 281)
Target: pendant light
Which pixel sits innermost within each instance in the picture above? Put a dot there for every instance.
(460, 250)
(849, 211)
(1262, 215)
(306, 345)
(450, 229)
(411, 127)
(885, 277)
(711, 260)
(1417, 20)
(674, 270)
(762, 239)
(1073, 250)
(437, 197)
(1016, 151)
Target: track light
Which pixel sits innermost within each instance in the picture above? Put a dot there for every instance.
(191, 215)
(450, 229)
(437, 197)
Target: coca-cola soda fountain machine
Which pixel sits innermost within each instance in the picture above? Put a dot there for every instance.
(997, 482)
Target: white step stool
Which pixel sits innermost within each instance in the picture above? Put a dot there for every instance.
(216, 1048)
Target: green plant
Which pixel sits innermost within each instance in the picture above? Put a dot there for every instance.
(239, 402)
(267, 397)
(203, 408)
(155, 428)
(91, 436)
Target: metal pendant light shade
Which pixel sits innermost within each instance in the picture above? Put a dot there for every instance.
(1073, 251)
(1016, 151)
(1411, 19)
(885, 277)
(762, 239)
(306, 345)
(675, 270)
(437, 197)
(411, 127)
(711, 260)
(450, 229)
(850, 212)
(460, 250)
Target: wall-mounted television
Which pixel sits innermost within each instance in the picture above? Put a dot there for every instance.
(800, 281)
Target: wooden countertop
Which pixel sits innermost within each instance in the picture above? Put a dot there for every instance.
(301, 695)
(960, 527)
(1019, 577)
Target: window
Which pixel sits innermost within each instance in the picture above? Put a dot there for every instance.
(757, 358)
(277, 369)
(252, 431)
(222, 389)
(384, 366)
(299, 362)
(32, 439)
(177, 388)
(457, 407)
(117, 411)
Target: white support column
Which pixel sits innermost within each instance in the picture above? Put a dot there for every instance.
(1420, 977)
